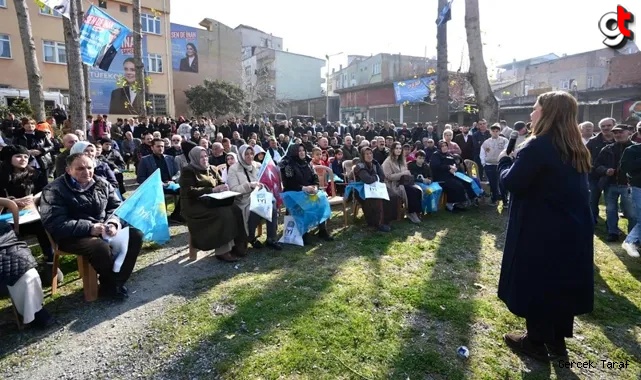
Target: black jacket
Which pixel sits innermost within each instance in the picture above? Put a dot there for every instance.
(295, 172)
(631, 164)
(15, 257)
(68, 212)
(610, 158)
(369, 174)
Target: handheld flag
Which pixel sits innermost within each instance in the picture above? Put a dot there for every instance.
(269, 175)
(291, 142)
(145, 210)
(446, 14)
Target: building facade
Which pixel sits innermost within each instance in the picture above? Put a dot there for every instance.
(51, 52)
(216, 49)
(379, 68)
(251, 37)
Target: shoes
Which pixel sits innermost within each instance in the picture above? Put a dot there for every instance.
(274, 245)
(521, 343)
(43, 320)
(306, 239)
(176, 218)
(557, 351)
(227, 257)
(256, 244)
(323, 234)
(630, 249)
(384, 228)
(46, 275)
(612, 238)
(118, 293)
(413, 218)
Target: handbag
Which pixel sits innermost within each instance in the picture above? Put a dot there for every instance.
(376, 190)
(406, 180)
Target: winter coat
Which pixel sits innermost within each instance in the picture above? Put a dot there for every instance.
(15, 257)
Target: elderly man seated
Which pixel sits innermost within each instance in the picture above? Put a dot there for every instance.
(77, 210)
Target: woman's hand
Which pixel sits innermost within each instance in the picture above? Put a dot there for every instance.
(310, 189)
(111, 230)
(34, 152)
(427, 181)
(220, 188)
(254, 185)
(504, 154)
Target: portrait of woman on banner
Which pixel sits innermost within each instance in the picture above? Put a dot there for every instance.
(125, 100)
(190, 62)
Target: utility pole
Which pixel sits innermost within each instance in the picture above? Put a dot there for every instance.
(443, 79)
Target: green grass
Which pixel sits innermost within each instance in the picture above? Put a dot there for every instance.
(390, 306)
(383, 306)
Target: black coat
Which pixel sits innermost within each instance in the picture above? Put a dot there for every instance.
(67, 212)
(548, 256)
(295, 172)
(15, 257)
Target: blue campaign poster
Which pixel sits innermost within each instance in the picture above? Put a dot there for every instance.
(107, 97)
(100, 38)
(415, 90)
(184, 48)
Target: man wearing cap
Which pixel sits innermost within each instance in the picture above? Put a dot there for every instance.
(614, 182)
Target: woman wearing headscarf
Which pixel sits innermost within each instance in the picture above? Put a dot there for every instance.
(101, 168)
(400, 182)
(378, 212)
(19, 182)
(230, 159)
(212, 224)
(242, 177)
(443, 166)
(297, 175)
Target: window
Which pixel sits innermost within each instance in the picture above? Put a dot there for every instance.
(158, 104)
(123, 8)
(55, 52)
(589, 83)
(154, 63)
(3, 3)
(48, 12)
(102, 4)
(150, 23)
(376, 69)
(564, 84)
(5, 46)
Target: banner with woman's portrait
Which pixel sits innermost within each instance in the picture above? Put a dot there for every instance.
(184, 48)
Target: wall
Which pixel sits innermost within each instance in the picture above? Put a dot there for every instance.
(254, 37)
(368, 97)
(625, 70)
(49, 28)
(219, 51)
(315, 107)
(297, 76)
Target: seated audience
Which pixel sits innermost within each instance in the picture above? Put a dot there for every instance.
(243, 178)
(378, 212)
(443, 166)
(212, 224)
(158, 160)
(77, 210)
(420, 169)
(400, 182)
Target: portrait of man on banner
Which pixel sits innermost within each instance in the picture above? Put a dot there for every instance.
(108, 51)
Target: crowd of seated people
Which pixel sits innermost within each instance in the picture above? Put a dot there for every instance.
(80, 177)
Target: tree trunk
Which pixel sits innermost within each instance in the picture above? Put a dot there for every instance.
(77, 95)
(138, 58)
(34, 78)
(443, 78)
(485, 99)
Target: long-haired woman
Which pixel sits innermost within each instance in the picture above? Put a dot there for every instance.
(547, 271)
(400, 182)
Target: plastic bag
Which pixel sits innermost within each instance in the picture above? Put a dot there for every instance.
(291, 235)
(261, 202)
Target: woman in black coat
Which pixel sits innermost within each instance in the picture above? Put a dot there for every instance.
(297, 175)
(547, 270)
(443, 166)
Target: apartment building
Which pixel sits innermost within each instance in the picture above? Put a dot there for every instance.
(51, 52)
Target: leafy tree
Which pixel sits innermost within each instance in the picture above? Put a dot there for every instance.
(215, 98)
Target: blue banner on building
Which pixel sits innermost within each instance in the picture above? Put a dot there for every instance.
(184, 48)
(110, 91)
(101, 36)
(415, 90)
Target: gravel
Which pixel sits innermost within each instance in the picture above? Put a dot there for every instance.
(105, 340)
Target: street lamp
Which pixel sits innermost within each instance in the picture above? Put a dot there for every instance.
(327, 56)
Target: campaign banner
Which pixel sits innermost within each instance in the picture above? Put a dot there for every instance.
(415, 90)
(184, 48)
(100, 38)
(110, 91)
(61, 7)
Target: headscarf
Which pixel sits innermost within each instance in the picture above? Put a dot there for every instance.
(292, 153)
(241, 153)
(233, 155)
(186, 147)
(194, 157)
(80, 147)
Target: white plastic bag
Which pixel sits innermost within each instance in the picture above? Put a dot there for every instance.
(261, 202)
(376, 190)
(291, 235)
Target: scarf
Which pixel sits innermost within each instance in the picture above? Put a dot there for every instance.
(241, 160)
(233, 155)
(194, 158)
(79, 147)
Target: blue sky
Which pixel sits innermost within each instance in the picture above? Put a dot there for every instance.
(512, 29)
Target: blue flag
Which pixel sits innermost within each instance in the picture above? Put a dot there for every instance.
(101, 37)
(308, 210)
(145, 210)
(431, 196)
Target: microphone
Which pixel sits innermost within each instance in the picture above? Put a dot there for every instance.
(510, 146)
